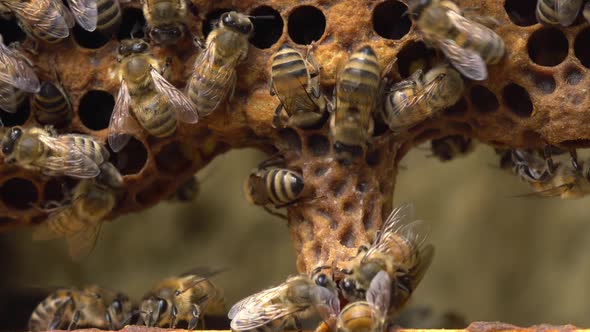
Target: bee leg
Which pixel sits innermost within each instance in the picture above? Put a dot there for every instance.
(75, 319)
(58, 315)
(109, 320)
(274, 160)
(276, 119)
(173, 315)
(199, 42)
(575, 163)
(273, 213)
(547, 155)
(298, 325)
(196, 313)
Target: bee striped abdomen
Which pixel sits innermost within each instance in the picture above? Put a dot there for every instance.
(360, 80)
(283, 186)
(109, 16)
(205, 102)
(91, 148)
(45, 311)
(156, 116)
(50, 106)
(546, 13)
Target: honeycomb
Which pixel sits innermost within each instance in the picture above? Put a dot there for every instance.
(532, 98)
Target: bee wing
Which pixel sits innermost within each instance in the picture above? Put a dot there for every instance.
(255, 300)
(121, 120)
(424, 260)
(467, 62)
(67, 159)
(425, 93)
(8, 101)
(47, 16)
(16, 71)
(185, 110)
(49, 230)
(379, 292)
(550, 192)
(223, 76)
(80, 244)
(397, 218)
(85, 12)
(567, 11)
(203, 271)
(256, 317)
(327, 303)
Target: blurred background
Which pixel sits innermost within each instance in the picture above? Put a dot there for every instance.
(518, 260)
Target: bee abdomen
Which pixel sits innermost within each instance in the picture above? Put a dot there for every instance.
(109, 15)
(50, 105)
(284, 186)
(157, 117)
(545, 12)
(91, 148)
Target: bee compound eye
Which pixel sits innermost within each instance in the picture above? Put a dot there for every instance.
(117, 306)
(321, 280)
(225, 18)
(347, 285)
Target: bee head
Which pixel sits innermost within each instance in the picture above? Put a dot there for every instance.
(152, 309)
(237, 22)
(169, 34)
(132, 46)
(350, 290)
(120, 310)
(415, 7)
(10, 140)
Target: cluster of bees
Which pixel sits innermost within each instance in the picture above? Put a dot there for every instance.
(179, 300)
(381, 277)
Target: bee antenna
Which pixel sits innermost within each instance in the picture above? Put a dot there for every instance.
(262, 17)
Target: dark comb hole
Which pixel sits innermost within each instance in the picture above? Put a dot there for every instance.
(132, 22)
(573, 76)
(337, 187)
(347, 238)
(390, 20)
(171, 159)
(318, 145)
(521, 12)
(414, 56)
(373, 158)
(545, 83)
(348, 207)
(11, 31)
(459, 109)
(87, 39)
(19, 117)
(319, 171)
(483, 100)
(54, 190)
(306, 25)
(131, 159)
(6, 221)
(95, 109)
(517, 99)
(291, 139)
(152, 194)
(581, 48)
(368, 217)
(326, 215)
(362, 186)
(548, 47)
(19, 193)
(267, 31)
(211, 20)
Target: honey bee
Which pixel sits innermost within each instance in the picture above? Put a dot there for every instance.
(181, 299)
(41, 150)
(187, 191)
(46, 20)
(51, 105)
(165, 20)
(357, 89)
(552, 179)
(397, 250)
(156, 104)
(449, 147)
(85, 13)
(369, 315)
(296, 88)
(273, 185)
(421, 96)
(80, 219)
(558, 12)
(275, 308)
(214, 73)
(467, 44)
(16, 77)
(89, 307)
(109, 16)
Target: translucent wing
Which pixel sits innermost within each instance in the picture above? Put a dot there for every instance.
(206, 70)
(549, 192)
(8, 98)
(85, 12)
(255, 300)
(427, 92)
(50, 17)
(120, 120)
(415, 232)
(203, 271)
(185, 110)
(81, 243)
(16, 71)
(379, 292)
(50, 229)
(467, 62)
(424, 260)
(256, 317)
(327, 303)
(67, 159)
(567, 11)
(397, 218)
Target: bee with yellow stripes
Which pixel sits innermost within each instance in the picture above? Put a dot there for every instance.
(297, 89)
